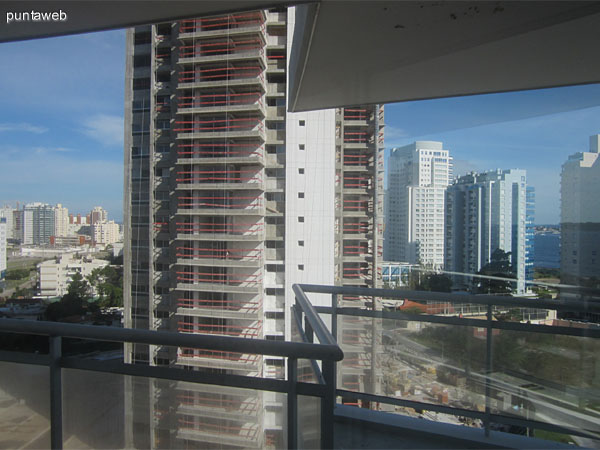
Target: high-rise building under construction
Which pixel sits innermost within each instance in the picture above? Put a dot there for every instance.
(229, 200)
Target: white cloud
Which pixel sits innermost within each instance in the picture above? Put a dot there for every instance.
(22, 127)
(105, 128)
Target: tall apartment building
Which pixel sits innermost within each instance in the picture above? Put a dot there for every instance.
(38, 223)
(229, 200)
(18, 219)
(98, 214)
(485, 212)
(61, 221)
(3, 238)
(105, 232)
(580, 216)
(7, 212)
(529, 233)
(418, 175)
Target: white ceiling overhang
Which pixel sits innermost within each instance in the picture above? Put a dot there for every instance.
(353, 52)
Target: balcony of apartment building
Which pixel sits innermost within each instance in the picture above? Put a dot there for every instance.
(356, 273)
(393, 380)
(220, 228)
(248, 99)
(357, 183)
(353, 228)
(356, 137)
(221, 74)
(230, 24)
(356, 117)
(230, 177)
(230, 125)
(201, 409)
(209, 278)
(353, 205)
(212, 203)
(221, 254)
(356, 250)
(234, 151)
(354, 160)
(220, 305)
(232, 48)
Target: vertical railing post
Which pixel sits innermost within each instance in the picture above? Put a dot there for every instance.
(334, 324)
(328, 405)
(292, 404)
(56, 431)
(334, 332)
(308, 330)
(488, 369)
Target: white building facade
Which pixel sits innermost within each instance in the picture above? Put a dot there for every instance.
(56, 275)
(7, 213)
(61, 221)
(3, 238)
(485, 212)
(106, 232)
(38, 223)
(580, 215)
(418, 175)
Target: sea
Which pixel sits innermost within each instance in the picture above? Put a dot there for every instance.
(546, 250)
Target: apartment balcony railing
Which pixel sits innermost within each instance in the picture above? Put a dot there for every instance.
(208, 176)
(230, 279)
(226, 73)
(191, 346)
(217, 100)
(220, 202)
(222, 254)
(219, 125)
(235, 307)
(500, 390)
(213, 150)
(227, 47)
(250, 331)
(236, 229)
(356, 114)
(371, 411)
(227, 22)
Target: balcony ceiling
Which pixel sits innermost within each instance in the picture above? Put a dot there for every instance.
(384, 51)
(377, 52)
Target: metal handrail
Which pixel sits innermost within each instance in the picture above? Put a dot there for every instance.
(327, 351)
(489, 301)
(483, 299)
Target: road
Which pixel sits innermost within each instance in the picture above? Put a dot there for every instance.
(546, 408)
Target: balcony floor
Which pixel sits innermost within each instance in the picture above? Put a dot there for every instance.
(361, 428)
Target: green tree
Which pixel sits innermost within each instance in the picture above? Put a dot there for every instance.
(499, 267)
(78, 288)
(435, 282)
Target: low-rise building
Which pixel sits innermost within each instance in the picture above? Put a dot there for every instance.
(55, 275)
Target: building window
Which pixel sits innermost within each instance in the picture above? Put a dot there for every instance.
(301, 219)
(301, 146)
(300, 194)
(300, 266)
(301, 243)
(301, 170)
(301, 123)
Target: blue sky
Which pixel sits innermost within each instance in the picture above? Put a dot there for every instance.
(61, 126)
(533, 130)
